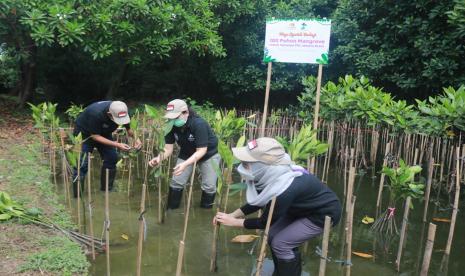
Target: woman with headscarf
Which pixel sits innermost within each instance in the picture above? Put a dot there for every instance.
(302, 202)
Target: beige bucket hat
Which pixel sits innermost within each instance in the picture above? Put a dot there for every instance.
(266, 150)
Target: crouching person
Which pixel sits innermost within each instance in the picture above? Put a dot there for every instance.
(302, 202)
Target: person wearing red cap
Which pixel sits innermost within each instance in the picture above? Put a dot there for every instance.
(302, 202)
(96, 124)
(197, 142)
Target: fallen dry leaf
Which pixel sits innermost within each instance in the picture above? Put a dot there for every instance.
(363, 255)
(441, 219)
(244, 238)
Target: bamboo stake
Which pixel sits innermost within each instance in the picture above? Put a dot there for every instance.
(79, 191)
(456, 201)
(350, 219)
(428, 249)
(107, 220)
(317, 98)
(402, 232)
(265, 239)
(89, 198)
(267, 95)
(381, 182)
(186, 220)
(428, 186)
(324, 246)
(129, 176)
(140, 242)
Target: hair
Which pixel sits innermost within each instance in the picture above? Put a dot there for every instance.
(192, 112)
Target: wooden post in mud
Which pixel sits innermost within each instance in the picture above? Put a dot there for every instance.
(78, 183)
(428, 186)
(265, 239)
(129, 176)
(140, 242)
(428, 249)
(381, 182)
(267, 96)
(456, 201)
(317, 98)
(324, 246)
(107, 220)
(402, 232)
(160, 202)
(89, 198)
(64, 169)
(186, 220)
(350, 219)
(350, 190)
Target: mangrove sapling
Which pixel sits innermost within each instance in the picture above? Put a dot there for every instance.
(401, 185)
(304, 145)
(228, 160)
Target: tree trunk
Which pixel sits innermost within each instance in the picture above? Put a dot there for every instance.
(116, 81)
(28, 77)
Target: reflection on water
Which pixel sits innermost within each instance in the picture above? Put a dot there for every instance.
(161, 246)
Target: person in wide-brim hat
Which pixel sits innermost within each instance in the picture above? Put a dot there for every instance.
(197, 143)
(302, 202)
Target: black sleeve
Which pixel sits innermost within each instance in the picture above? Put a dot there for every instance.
(249, 209)
(169, 138)
(201, 134)
(283, 202)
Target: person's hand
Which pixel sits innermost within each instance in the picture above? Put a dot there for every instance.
(179, 168)
(155, 161)
(123, 146)
(228, 220)
(137, 144)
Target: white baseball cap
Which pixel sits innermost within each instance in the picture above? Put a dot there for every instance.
(119, 113)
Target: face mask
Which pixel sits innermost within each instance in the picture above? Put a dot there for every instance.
(179, 122)
(245, 173)
(254, 173)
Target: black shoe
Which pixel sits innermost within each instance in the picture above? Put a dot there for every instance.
(292, 267)
(75, 187)
(174, 198)
(207, 200)
(103, 178)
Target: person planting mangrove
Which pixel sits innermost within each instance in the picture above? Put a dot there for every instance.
(197, 142)
(302, 202)
(96, 124)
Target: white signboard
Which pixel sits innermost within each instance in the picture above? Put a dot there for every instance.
(297, 40)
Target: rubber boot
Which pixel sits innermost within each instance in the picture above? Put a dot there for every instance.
(275, 263)
(292, 267)
(111, 178)
(207, 200)
(75, 187)
(174, 198)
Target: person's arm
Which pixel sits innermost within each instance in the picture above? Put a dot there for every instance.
(198, 154)
(283, 202)
(167, 151)
(102, 140)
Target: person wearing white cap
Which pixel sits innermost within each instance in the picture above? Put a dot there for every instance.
(96, 124)
(302, 202)
(197, 142)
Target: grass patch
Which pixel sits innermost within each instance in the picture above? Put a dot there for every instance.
(61, 255)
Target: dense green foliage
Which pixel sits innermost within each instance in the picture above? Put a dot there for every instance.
(357, 99)
(81, 51)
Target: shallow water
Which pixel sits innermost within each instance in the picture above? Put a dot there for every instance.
(162, 240)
